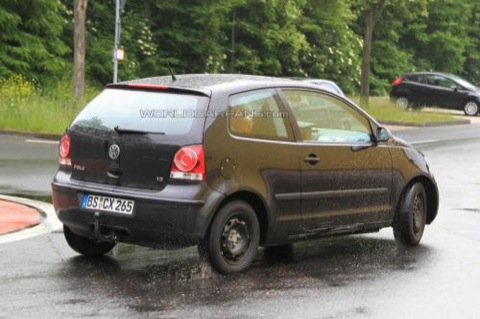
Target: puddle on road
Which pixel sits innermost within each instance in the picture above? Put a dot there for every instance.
(182, 265)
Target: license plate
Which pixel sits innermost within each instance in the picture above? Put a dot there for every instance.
(109, 204)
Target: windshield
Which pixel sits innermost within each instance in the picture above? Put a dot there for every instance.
(464, 82)
(142, 111)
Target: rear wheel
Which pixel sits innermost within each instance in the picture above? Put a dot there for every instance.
(402, 102)
(470, 108)
(86, 246)
(411, 216)
(233, 239)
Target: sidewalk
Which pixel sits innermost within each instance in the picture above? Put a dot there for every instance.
(23, 218)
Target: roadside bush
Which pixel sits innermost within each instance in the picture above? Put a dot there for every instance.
(15, 91)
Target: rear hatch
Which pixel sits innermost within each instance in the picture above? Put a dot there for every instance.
(128, 136)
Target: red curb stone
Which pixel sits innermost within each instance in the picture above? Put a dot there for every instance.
(14, 217)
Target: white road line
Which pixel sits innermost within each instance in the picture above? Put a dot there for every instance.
(424, 142)
(41, 141)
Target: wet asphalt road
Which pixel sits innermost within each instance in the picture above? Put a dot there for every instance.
(27, 165)
(364, 276)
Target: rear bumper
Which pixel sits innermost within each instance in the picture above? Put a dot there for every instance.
(173, 217)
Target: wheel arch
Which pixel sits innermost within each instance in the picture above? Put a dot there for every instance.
(431, 191)
(255, 201)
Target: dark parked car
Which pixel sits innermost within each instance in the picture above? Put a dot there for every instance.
(435, 89)
(231, 162)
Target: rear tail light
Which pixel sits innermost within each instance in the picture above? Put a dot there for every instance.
(397, 81)
(189, 164)
(64, 151)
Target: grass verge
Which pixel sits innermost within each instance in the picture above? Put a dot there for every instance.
(24, 108)
(382, 109)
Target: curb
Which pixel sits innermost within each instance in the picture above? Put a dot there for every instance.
(49, 223)
(55, 137)
(427, 124)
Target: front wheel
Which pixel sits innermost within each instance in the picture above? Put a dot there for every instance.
(233, 239)
(470, 108)
(86, 246)
(411, 216)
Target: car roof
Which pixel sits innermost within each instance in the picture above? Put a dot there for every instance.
(321, 82)
(205, 83)
(429, 72)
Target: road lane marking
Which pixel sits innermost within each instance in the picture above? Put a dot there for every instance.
(424, 142)
(41, 141)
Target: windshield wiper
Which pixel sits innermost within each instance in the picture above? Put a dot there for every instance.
(121, 130)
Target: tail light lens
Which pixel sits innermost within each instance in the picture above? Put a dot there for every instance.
(64, 151)
(189, 164)
(397, 81)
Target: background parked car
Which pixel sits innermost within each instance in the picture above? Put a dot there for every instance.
(435, 89)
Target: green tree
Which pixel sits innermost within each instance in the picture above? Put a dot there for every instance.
(471, 69)
(192, 35)
(333, 46)
(268, 39)
(370, 13)
(440, 39)
(30, 39)
(392, 52)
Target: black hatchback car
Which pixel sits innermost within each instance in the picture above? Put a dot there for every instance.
(231, 162)
(435, 89)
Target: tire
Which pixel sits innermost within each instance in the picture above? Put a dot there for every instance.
(411, 216)
(232, 241)
(402, 102)
(86, 246)
(471, 108)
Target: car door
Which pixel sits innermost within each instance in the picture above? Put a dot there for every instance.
(444, 92)
(346, 177)
(417, 91)
(258, 155)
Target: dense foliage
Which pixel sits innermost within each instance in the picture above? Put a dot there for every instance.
(291, 38)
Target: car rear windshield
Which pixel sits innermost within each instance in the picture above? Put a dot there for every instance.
(142, 111)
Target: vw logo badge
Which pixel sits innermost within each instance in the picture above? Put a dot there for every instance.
(114, 151)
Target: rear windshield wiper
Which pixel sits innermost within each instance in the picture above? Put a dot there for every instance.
(121, 130)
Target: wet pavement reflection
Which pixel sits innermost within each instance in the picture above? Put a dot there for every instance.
(160, 282)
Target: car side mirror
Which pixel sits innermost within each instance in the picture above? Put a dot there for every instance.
(383, 134)
(454, 88)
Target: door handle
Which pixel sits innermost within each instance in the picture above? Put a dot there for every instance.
(312, 159)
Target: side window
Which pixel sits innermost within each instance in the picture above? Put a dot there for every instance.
(439, 80)
(416, 78)
(257, 114)
(324, 119)
(447, 83)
